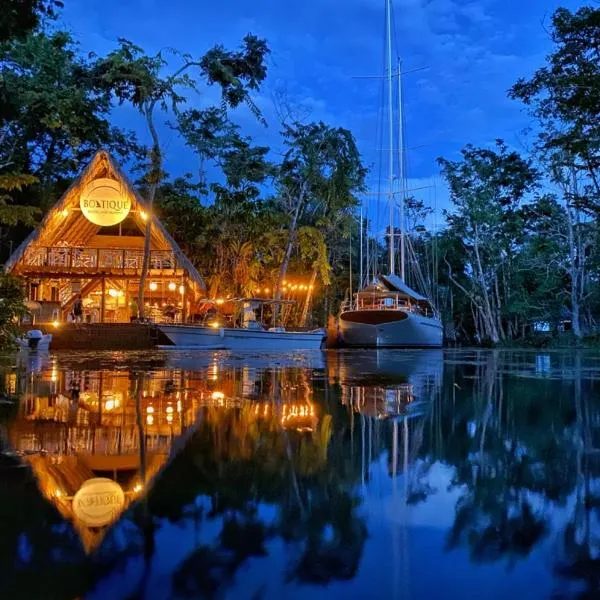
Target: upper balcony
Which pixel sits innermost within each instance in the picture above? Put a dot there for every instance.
(63, 261)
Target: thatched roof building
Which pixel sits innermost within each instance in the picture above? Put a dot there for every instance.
(91, 243)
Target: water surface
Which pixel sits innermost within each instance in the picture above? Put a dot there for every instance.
(354, 474)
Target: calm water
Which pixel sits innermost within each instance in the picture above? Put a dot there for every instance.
(356, 474)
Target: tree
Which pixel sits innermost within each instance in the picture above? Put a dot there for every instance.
(11, 309)
(137, 78)
(20, 17)
(564, 96)
(486, 187)
(52, 118)
(321, 169)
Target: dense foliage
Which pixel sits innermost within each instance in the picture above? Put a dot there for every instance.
(517, 252)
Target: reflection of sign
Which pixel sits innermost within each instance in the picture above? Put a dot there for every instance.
(104, 202)
(98, 502)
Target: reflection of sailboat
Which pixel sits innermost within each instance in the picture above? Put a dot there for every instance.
(388, 383)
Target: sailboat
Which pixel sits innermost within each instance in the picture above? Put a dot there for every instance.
(387, 313)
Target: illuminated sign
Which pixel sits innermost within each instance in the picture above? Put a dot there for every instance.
(104, 202)
(98, 502)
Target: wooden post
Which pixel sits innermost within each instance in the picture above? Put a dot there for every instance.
(184, 301)
(103, 300)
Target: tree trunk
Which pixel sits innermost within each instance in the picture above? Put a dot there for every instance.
(308, 298)
(288, 253)
(574, 273)
(489, 317)
(154, 178)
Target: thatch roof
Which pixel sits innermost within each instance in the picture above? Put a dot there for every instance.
(70, 473)
(75, 229)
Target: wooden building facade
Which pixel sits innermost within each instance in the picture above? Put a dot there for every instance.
(91, 245)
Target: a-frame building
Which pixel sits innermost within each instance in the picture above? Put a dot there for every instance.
(91, 243)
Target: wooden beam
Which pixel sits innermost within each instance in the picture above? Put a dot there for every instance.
(103, 305)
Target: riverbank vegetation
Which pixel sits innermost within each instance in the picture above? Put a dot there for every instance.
(517, 255)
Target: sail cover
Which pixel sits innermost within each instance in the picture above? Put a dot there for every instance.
(394, 283)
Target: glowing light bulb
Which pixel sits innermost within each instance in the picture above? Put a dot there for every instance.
(150, 419)
(172, 286)
(218, 395)
(219, 301)
(137, 488)
(169, 409)
(143, 215)
(181, 290)
(65, 212)
(153, 286)
(56, 324)
(150, 410)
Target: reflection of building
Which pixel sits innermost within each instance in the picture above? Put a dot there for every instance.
(74, 426)
(91, 243)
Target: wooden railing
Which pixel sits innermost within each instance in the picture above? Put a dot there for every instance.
(96, 258)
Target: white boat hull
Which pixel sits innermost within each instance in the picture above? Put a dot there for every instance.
(410, 331)
(192, 336)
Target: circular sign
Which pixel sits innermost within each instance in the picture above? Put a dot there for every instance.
(104, 202)
(98, 502)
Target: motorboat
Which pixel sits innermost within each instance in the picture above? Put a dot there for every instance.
(251, 334)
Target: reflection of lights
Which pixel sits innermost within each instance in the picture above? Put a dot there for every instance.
(56, 324)
(218, 395)
(213, 371)
(219, 301)
(181, 290)
(169, 409)
(137, 488)
(295, 411)
(54, 374)
(65, 212)
(172, 286)
(153, 286)
(150, 409)
(169, 418)
(143, 215)
(215, 324)
(178, 405)
(150, 419)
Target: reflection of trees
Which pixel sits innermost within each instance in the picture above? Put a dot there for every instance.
(240, 465)
(521, 447)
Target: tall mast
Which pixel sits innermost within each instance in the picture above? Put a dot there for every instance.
(360, 281)
(401, 174)
(391, 130)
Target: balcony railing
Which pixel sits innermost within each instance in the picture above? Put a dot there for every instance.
(96, 259)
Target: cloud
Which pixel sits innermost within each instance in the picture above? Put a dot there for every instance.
(473, 50)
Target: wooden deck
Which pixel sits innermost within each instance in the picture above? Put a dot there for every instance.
(105, 336)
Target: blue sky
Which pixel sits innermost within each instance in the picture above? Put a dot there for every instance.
(473, 50)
